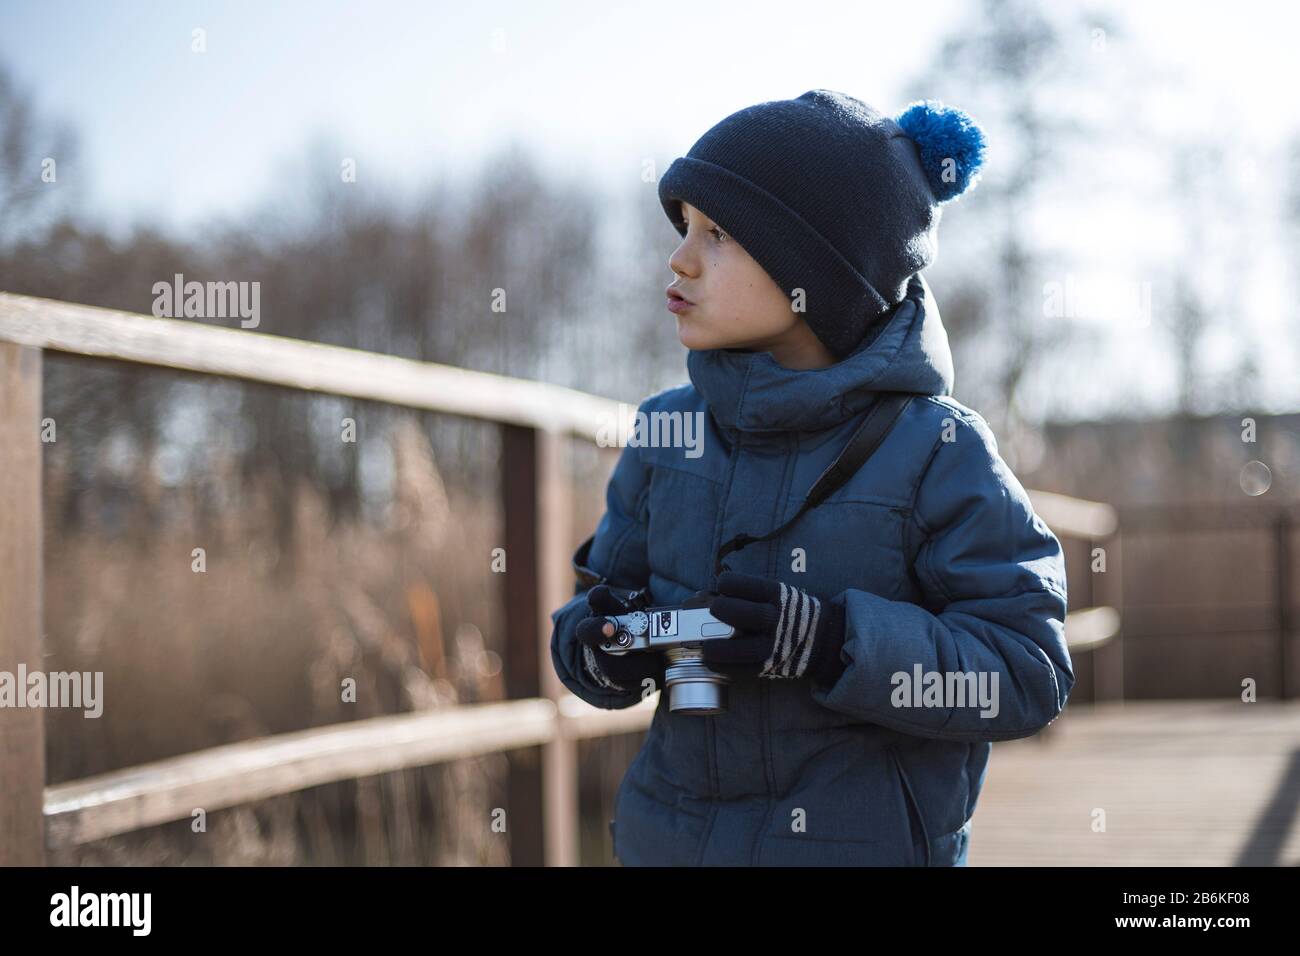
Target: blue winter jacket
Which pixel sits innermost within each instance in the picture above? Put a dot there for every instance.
(934, 552)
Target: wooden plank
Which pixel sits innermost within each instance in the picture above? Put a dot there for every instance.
(22, 729)
(172, 789)
(1188, 783)
(1203, 517)
(581, 720)
(1074, 517)
(257, 356)
(1090, 628)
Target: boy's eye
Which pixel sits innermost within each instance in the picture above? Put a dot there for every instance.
(718, 232)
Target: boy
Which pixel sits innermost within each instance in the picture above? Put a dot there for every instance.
(848, 736)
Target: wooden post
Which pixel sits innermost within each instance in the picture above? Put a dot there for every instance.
(556, 581)
(1108, 591)
(1282, 544)
(519, 499)
(543, 783)
(22, 729)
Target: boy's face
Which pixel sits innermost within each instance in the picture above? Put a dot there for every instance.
(734, 302)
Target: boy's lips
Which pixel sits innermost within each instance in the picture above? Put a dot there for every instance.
(677, 302)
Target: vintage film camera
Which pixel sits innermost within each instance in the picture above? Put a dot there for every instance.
(677, 631)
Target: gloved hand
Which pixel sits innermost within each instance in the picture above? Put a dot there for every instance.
(783, 631)
(621, 672)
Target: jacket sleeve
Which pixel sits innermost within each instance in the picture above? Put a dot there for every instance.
(615, 555)
(994, 576)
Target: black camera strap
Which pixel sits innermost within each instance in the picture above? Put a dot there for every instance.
(879, 420)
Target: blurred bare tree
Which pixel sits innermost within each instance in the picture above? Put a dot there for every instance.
(32, 153)
(1008, 64)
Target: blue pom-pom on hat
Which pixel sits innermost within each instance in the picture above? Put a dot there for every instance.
(951, 145)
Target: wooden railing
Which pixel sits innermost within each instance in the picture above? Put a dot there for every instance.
(538, 421)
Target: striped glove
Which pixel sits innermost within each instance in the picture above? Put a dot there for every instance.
(784, 631)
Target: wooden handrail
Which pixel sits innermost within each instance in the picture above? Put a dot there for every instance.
(1074, 517)
(149, 794)
(294, 363)
(1089, 628)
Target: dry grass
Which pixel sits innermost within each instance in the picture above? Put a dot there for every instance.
(261, 642)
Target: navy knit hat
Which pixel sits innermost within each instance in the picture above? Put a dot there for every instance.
(832, 197)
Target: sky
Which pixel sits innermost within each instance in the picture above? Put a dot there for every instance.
(409, 88)
(416, 87)
(416, 91)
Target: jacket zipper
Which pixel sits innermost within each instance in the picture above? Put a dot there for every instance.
(763, 739)
(736, 445)
(710, 731)
(764, 690)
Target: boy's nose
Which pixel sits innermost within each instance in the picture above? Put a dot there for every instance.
(682, 261)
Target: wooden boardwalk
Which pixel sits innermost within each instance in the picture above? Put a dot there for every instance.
(1182, 783)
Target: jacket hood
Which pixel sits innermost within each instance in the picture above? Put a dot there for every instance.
(749, 391)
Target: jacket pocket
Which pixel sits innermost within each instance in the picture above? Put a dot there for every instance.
(915, 822)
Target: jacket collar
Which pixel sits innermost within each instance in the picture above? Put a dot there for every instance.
(750, 392)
